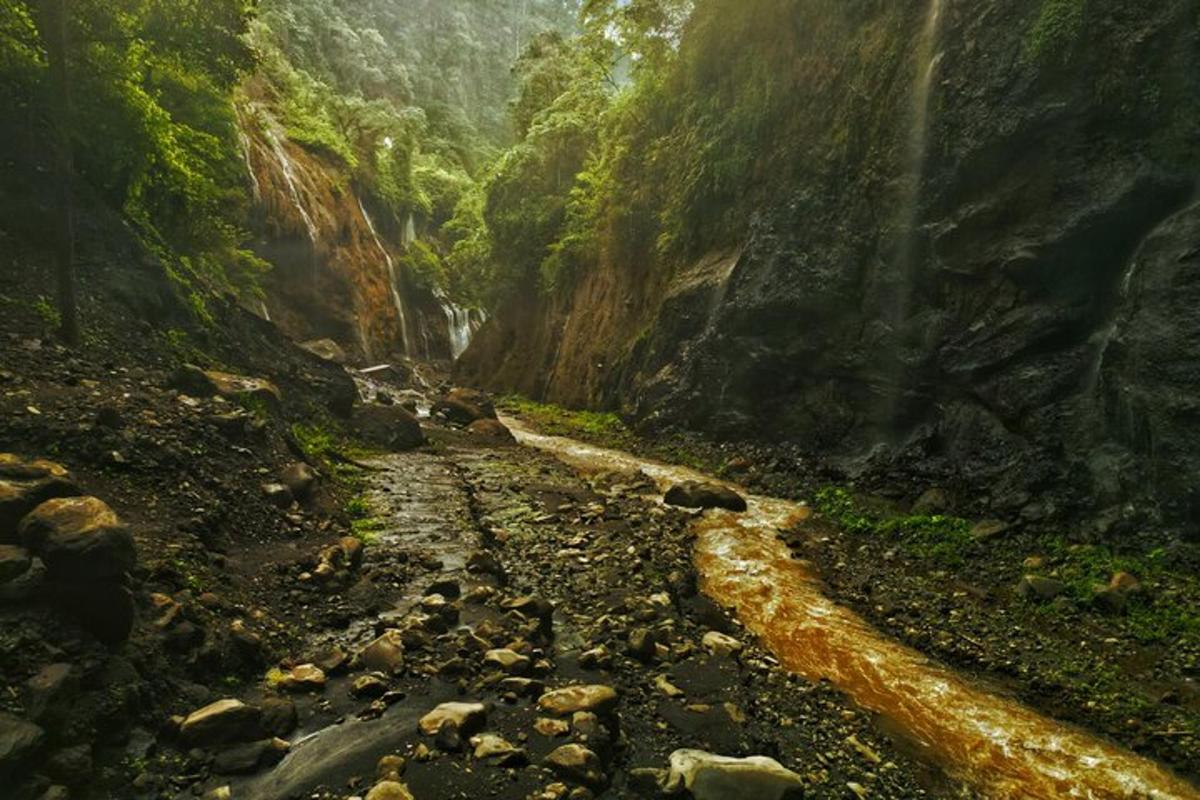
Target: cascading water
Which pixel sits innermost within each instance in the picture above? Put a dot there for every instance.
(292, 181)
(903, 284)
(393, 278)
(410, 231)
(458, 320)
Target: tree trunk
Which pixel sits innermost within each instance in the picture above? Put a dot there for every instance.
(54, 36)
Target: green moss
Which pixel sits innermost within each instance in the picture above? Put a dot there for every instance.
(942, 539)
(48, 313)
(1057, 29)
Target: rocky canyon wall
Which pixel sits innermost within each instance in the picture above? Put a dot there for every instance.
(986, 265)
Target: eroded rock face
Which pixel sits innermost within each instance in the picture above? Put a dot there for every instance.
(1036, 297)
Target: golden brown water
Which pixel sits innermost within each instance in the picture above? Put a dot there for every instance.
(998, 746)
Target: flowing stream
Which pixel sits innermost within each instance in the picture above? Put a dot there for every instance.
(1000, 747)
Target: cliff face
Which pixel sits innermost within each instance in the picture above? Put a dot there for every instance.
(336, 274)
(987, 266)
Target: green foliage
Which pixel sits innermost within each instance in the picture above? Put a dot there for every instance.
(1057, 29)
(423, 266)
(942, 539)
(316, 441)
(558, 421)
(46, 311)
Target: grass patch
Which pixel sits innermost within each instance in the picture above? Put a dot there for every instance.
(942, 539)
(364, 524)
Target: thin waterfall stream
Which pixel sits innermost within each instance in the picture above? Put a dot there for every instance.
(393, 278)
(1000, 747)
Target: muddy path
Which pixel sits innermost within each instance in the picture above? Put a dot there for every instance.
(999, 747)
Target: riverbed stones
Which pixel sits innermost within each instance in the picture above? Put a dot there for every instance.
(79, 538)
(390, 427)
(226, 721)
(699, 495)
(595, 698)
(494, 747)
(712, 777)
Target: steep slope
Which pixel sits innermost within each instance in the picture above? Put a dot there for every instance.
(973, 240)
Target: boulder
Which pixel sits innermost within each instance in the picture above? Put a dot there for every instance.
(932, 501)
(25, 485)
(694, 494)
(1113, 598)
(577, 764)
(194, 381)
(595, 698)
(19, 739)
(279, 716)
(302, 678)
(326, 349)
(463, 719)
(494, 746)
(104, 608)
(719, 644)
(464, 406)
(491, 430)
(508, 661)
(299, 478)
(390, 427)
(712, 777)
(389, 790)
(227, 721)
(385, 654)
(79, 538)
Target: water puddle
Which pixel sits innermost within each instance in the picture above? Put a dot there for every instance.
(992, 743)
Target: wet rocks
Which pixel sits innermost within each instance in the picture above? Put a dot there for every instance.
(14, 562)
(491, 746)
(278, 495)
(694, 494)
(390, 427)
(711, 777)
(224, 722)
(389, 790)
(508, 661)
(595, 698)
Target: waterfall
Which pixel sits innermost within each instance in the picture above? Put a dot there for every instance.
(289, 177)
(458, 320)
(410, 231)
(917, 150)
(255, 187)
(393, 278)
